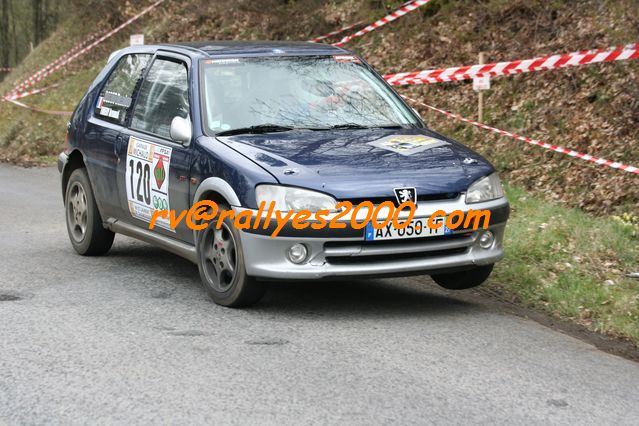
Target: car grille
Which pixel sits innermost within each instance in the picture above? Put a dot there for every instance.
(351, 260)
(353, 252)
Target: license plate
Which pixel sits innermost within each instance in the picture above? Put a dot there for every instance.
(418, 228)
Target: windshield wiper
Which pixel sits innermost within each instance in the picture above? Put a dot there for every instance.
(390, 126)
(260, 128)
(339, 126)
(357, 126)
(348, 126)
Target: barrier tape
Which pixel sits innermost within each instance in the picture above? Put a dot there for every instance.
(5, 69)
(36, 76)
(570, 152)
(406, 8)
(45, 111)
(29, 93)
(332, 33)
(95, 43)
(574, 59)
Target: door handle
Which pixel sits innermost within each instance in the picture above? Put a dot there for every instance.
(117, 147)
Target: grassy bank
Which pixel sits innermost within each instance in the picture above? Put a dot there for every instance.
(572, 264)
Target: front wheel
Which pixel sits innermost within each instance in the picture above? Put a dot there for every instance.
(221, 266)
(464, 279)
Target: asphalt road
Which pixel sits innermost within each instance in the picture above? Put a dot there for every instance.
(132, 338)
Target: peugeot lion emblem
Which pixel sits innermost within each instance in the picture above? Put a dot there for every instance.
(405, 194)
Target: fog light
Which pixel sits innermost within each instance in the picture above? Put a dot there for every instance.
(297, 253)
(486, 240)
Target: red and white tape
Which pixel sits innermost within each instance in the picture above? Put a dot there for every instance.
(29, 93)
(33, 79)
(574, 59)
(570, 152)
(5, 69)
(406, 8)
(86, 49)
(332, 33)
(45, 111)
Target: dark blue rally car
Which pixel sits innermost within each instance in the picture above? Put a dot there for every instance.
(304, 125)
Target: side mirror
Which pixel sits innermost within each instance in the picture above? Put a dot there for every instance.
(181, 130)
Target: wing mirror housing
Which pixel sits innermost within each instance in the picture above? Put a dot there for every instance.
(181, 130)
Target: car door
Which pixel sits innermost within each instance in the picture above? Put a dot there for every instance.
(104, 127)
(154, 170)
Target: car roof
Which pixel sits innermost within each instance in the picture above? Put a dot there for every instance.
(257, 48)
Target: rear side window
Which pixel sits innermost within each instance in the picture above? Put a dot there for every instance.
(117, 94)
(164, 95)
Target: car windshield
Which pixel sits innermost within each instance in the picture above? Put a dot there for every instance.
(280, 93)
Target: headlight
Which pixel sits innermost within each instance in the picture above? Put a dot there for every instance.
(485, 189)
(288, 198)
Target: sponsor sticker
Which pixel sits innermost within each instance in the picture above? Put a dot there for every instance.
(117, 99)
(106, 111)
(408, 144)
(147, 180)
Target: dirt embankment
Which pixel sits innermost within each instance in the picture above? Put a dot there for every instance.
(593, 109)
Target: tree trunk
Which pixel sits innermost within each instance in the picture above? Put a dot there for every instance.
(12, 14)
(36, 10)
(4, 33)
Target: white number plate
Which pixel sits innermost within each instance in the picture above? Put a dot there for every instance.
(418, 228)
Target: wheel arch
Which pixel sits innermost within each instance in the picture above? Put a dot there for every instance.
(218, 190)
(75, 161)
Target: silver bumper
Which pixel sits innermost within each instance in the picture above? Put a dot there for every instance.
(63, 159)
(333, 257)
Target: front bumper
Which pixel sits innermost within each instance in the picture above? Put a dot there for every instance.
(348, 254)
(63, 159)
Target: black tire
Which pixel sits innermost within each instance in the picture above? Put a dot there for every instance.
(84, 224)
(464, 279)
(222, 268)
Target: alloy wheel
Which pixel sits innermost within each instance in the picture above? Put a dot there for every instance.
(220, 257)
(77, 211)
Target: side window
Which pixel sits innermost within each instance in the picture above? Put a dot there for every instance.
(164, 94)
(117, 94)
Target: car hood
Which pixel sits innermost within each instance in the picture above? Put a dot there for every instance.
(366, 163)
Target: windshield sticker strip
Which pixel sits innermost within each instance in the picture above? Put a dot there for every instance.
(346, 58)
(222, 61)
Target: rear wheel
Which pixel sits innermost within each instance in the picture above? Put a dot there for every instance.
(84, 224)
(221, 266)
(464, 279)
